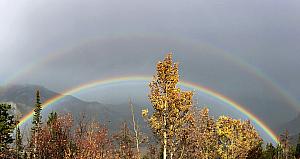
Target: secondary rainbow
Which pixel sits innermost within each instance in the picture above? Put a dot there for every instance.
(256, 72)
(195, 86)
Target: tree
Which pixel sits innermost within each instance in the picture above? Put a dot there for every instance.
(55, 138)
(237, 138)
(297, 153)
(52, 118)
(285, 144)
(171, 105)
(51, 123)
(256, 152)
(269, 152)
(279, 152)
(94, 143)
(37, 118)
(7, 126)
(36, 122)
(200, 139)
(125, 140)
(135, 129)
(19, 145)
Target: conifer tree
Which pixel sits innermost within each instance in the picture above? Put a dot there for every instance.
(52, 118)
(270, 151)
(171, 105)
(7, 125)
(297, 153)
(37, 118)
(19, 144)
(285, 144)
(36, 122)
(52, 125)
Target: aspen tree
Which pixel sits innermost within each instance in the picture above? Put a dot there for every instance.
(170, 104)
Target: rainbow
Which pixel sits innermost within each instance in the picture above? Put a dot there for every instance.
(195, 86)
(256, 72)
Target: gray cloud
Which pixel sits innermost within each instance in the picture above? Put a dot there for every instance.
(131, 36)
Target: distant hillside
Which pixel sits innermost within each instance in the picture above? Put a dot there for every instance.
(22, 97)
(293, 128)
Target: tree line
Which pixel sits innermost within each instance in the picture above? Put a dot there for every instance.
(179, 130)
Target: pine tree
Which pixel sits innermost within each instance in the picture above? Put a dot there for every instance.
(19, 145)
(25, 155)
(279, 152)
(52, 119)
(285, 144)
(297, 153)
(36, 122)
(171, 105)
(37, 118)
(7, 125)
(270, 151)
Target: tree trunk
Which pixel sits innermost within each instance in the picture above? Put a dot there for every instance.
(165, 129)
(165, 145)
(135, 128)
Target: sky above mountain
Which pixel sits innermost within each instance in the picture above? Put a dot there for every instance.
(246, 50)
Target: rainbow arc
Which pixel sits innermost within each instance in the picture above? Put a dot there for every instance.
(240, 108)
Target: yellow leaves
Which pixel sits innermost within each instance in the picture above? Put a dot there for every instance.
(226, 137)
(171, 105)
(237, 137)
(145, 112)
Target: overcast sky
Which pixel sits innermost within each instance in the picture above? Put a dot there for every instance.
(66, 43)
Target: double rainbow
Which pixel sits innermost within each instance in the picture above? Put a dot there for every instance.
(252, 70)
(194, 86)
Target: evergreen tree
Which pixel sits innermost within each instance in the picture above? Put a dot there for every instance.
(25, 155)
(285, 144)
(52, 118)
(269, 152)
(7, 125)
(297, 153)
(37, 118)
(36, 122)
(19, 145)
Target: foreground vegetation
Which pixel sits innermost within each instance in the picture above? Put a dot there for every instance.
(180, 130)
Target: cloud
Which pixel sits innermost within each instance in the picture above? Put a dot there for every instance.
(130, 36)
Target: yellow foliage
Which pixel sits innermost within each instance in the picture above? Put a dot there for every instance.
(171, 105)
(236, 138)
(145, 112)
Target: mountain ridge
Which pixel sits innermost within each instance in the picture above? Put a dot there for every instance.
(22, 97)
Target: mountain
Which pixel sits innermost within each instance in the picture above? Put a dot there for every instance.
(22, 98)
(293, 128)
